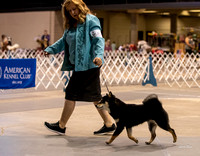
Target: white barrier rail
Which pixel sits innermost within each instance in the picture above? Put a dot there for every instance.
(129, 68)
(120, 68)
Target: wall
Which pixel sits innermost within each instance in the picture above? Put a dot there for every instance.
(116, 26)
(188, 22)
(58, 26)
(120, 28)
(23, 27)
(160, 24)
(142, 24)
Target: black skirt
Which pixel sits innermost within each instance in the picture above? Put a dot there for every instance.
(84, 86)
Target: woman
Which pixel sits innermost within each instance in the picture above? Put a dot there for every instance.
(84, 47)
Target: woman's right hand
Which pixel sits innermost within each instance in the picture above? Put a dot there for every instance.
(97, 61)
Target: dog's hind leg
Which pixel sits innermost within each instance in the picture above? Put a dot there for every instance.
(173, 134)
(164, 124)
(170, 130)
(152, 128)
(118, 130)
(129, 133)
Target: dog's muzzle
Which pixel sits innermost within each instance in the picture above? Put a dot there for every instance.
(99, 106)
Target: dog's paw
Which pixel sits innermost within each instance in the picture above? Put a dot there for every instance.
(108, 143)
(148, 143)
(136, 141)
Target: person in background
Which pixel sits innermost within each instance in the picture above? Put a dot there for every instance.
(83, 45)
(122, 48)
(189, 44)
(113, 46)
(132, 47)
(45, 39)
(108, 46)
(143, 47)
(5, 42)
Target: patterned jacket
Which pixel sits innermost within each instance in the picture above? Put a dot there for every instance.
(88, 45)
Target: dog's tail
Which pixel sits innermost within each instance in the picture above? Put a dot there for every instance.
(152, 101)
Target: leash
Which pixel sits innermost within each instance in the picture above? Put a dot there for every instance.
(105, 84)
(104, 80)
(100, 105)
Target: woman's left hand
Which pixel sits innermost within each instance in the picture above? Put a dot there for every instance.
(97, 61)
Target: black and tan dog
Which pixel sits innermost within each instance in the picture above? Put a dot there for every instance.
(129, 115)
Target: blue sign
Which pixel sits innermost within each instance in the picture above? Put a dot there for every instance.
(17, 73)
(149, 72)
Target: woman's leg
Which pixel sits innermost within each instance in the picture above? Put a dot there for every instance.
(108, 120)
(66, 113)
(109, 124)
(59, 127)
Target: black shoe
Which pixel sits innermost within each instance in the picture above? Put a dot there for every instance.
(105, 129)
(54, 127)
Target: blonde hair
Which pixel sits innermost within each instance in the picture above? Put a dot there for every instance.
(68, 21)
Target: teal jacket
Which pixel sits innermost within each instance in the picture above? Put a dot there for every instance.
(87, 47)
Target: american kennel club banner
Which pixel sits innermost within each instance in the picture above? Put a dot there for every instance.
(17, 73)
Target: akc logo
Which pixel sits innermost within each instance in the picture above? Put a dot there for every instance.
(0, 72)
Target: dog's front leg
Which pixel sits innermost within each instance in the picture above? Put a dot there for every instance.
(111, 139)
(129, 133)
(118, 130)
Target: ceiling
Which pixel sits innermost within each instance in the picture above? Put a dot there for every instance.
(163, 7)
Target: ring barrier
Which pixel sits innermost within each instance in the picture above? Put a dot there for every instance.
(120, 68)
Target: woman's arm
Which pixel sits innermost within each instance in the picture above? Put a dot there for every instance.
(58, 46)
(98, 42)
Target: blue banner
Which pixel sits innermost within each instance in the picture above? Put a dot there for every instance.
(17, 73)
